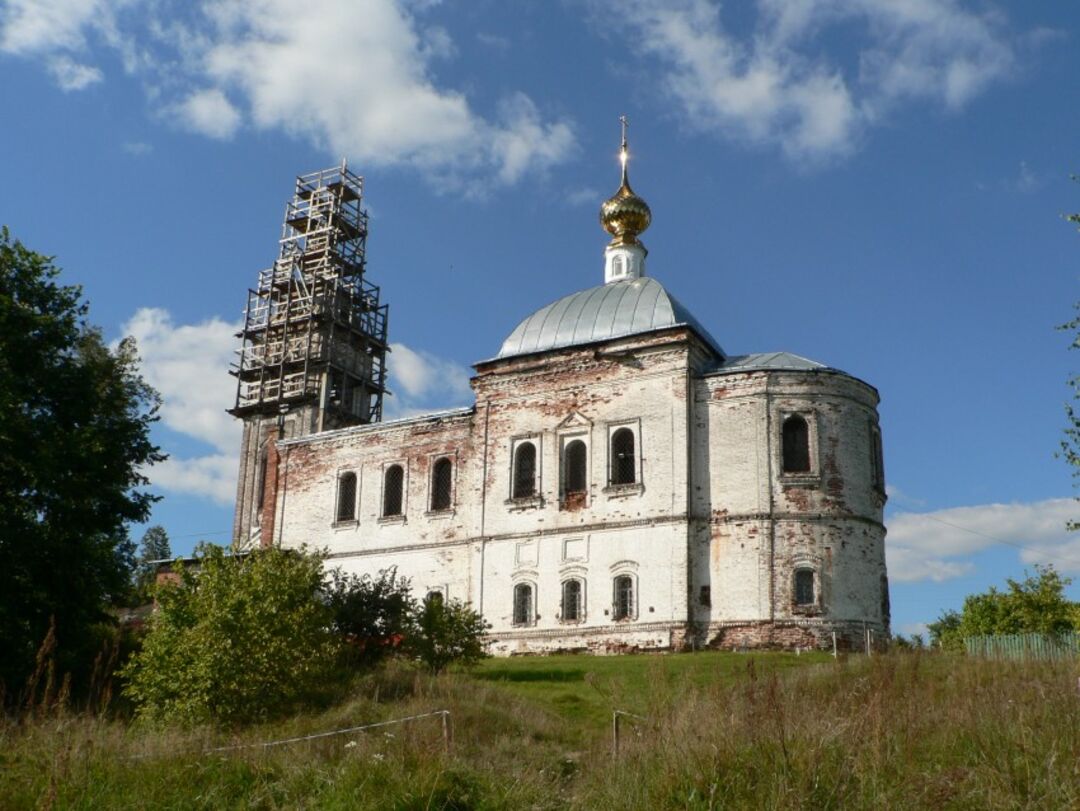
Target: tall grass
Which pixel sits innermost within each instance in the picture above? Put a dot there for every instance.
(897, 731)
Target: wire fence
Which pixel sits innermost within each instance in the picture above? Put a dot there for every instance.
(447, 735)
(1024, 647)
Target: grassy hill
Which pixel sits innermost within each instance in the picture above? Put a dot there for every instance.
(719, 730)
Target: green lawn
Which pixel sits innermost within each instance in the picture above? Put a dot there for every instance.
(586, 689)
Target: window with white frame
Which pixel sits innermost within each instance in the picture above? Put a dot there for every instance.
(524, 471)
(442, 483)
(624, 598)
(572, 608)
(623, 457)
(575, 467)
(524, 602)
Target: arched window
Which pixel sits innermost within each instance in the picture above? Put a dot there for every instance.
(571, 601)
(804, 587)
(525, 470)
(523, 604)
(796, 445)
(618, 266)
(393, 491)
(624, 597)
(574, 467)
(434, 598)
(346, 497)
(622, 457)
(441, 482)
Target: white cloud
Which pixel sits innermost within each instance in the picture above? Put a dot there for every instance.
(212, 476)
(936, 545)
(777, 85)
(71, 75)
(584, 196)
(350, 78)
(424, 382)
(188, 365)
(39, 26)
(208, 112)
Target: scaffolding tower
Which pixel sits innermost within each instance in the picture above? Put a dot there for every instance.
(314, 330)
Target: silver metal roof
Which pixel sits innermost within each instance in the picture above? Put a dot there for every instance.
(608, 311)
(769, 360)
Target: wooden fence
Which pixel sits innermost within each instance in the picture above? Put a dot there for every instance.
(1024, 646)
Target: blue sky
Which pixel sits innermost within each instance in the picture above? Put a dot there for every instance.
(878, 186)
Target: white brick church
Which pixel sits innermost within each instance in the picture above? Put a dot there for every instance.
(621, 482)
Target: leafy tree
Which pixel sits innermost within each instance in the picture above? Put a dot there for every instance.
(74, 437)
(371, 614)
(237, 639)
(154, 546)
(446, 631)
(1036, 604)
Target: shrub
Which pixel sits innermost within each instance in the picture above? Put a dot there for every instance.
(238, 638)
(446, 631)
(371, 614)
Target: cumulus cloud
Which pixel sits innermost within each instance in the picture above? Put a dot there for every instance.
(938, 545)
(424, 382)
(209, 112)
(70, 75)
(38, 26)
(188, 365)
(779, 85)
(351, 78)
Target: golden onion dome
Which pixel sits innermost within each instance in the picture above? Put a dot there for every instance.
(624, 215)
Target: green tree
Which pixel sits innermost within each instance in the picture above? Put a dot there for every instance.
(444, 632)
(1036, 604)
(154, 546)
(371, 614)
(74, 438)
(237, 639)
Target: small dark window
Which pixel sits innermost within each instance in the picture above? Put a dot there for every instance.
(260, 485)
(525, 470)
(796, 445)
(523, 604)
(877, 463)
(886, 609)
(346, 497)
(571, 601)
(705, 596)
(574, 467)
(441, 481)
(393, 487)
(622, 457)
(434, 598)
(804, 587)
(624, 597)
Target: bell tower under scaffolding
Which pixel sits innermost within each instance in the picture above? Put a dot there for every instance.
(314, 340)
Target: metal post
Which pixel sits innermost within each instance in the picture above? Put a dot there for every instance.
(446, 729)
(868, 633)
(834, 644)
(615, 733)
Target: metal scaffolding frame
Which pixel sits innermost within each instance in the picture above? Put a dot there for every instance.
(314, 329)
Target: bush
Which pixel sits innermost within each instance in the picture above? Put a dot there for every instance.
(371, 614)
(237, 639)
(446, 631)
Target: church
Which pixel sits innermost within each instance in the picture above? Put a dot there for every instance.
(621, 482)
